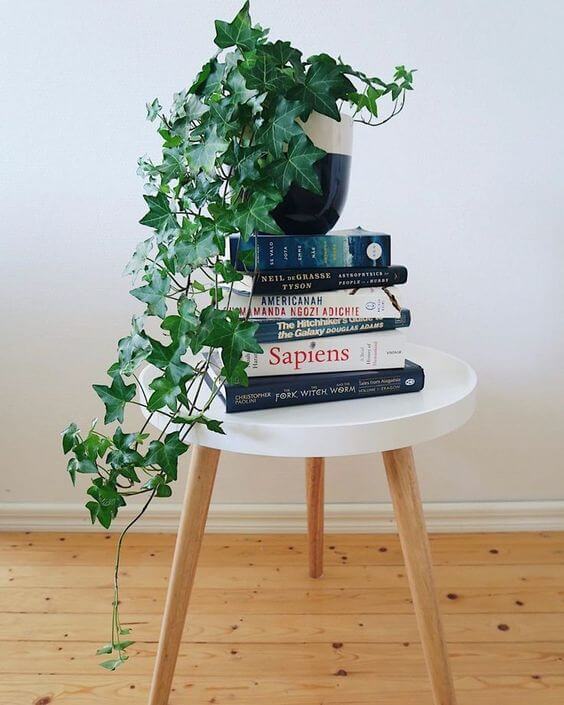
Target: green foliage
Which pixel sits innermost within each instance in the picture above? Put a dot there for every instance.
(115, 397)
(323, 85)
(297, 165)
(232, 145)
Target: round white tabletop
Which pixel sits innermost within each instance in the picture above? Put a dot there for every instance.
(347, 427)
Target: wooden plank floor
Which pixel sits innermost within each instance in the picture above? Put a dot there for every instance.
(261, 632)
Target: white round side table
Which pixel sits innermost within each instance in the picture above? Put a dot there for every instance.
(390, 425)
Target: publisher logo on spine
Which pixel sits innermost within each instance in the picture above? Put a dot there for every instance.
(374, 251)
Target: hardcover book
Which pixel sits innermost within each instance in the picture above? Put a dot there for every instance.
(354, 303)
(289, 390)
(340, 248)
(289, 281)
(304, 328)
(365, 351)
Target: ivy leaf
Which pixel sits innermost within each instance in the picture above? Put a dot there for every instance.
(222, 113)
(87, 452)
(166, 454)
(113, 664)
(93, 508)
(169, 140)
(239, 32)
(203, 190)
(186, 322)
(165, 393)
(211, 424)
(148, 171)
(282, 53)
(179, 372)
(224, 330)
(154, 293)
(367, 100)
(193, 254)
(203, 155)
(254, 214)
(212, 84)
(297, 165)
(164, 491)
(70, 437)
(279, 129)
(123, 453)
(227, 271)
(169, 358)
(108, 498)
(115, 398)
(201, 78)
(185, 108)
(154, 482)
(245, 161)
(153, 110)
(173, 166)
(87, 467)
(324, 83)
(159, 216)
(242, 339)
(134, 348)
(262, 74)
(238, 374)
(139, 258)
(106, 649)
(72, 469)
(104, 516)
(239, 91)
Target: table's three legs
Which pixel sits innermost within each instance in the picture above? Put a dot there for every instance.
(400, 469)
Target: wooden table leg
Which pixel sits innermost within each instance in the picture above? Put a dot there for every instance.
(188, 543)
(315, 480)
(400, 469)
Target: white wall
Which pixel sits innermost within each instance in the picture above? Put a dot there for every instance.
(468, 180)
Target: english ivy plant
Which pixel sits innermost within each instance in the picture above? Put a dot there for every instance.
(232, 147)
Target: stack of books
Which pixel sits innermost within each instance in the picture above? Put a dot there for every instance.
(330, 322)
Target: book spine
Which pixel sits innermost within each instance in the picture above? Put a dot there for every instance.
(367, 351)
(373, 303)
(313, 389)
(307, 328)
(311, 251)
(289, 281)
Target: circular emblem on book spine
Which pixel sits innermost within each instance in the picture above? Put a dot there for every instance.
(374, 251)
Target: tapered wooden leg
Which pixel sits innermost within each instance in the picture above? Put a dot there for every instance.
(188, 543)
(315, 480)
(400, 469)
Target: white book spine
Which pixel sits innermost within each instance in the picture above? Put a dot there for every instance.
(362, 351)
(360, 303)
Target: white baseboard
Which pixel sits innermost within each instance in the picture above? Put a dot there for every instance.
(290, 518)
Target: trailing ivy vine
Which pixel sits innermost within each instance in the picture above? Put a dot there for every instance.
(232, 146)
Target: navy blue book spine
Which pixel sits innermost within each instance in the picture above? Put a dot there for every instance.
(303, 328)
(307, 280)
(275, 252)
(289, 390)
